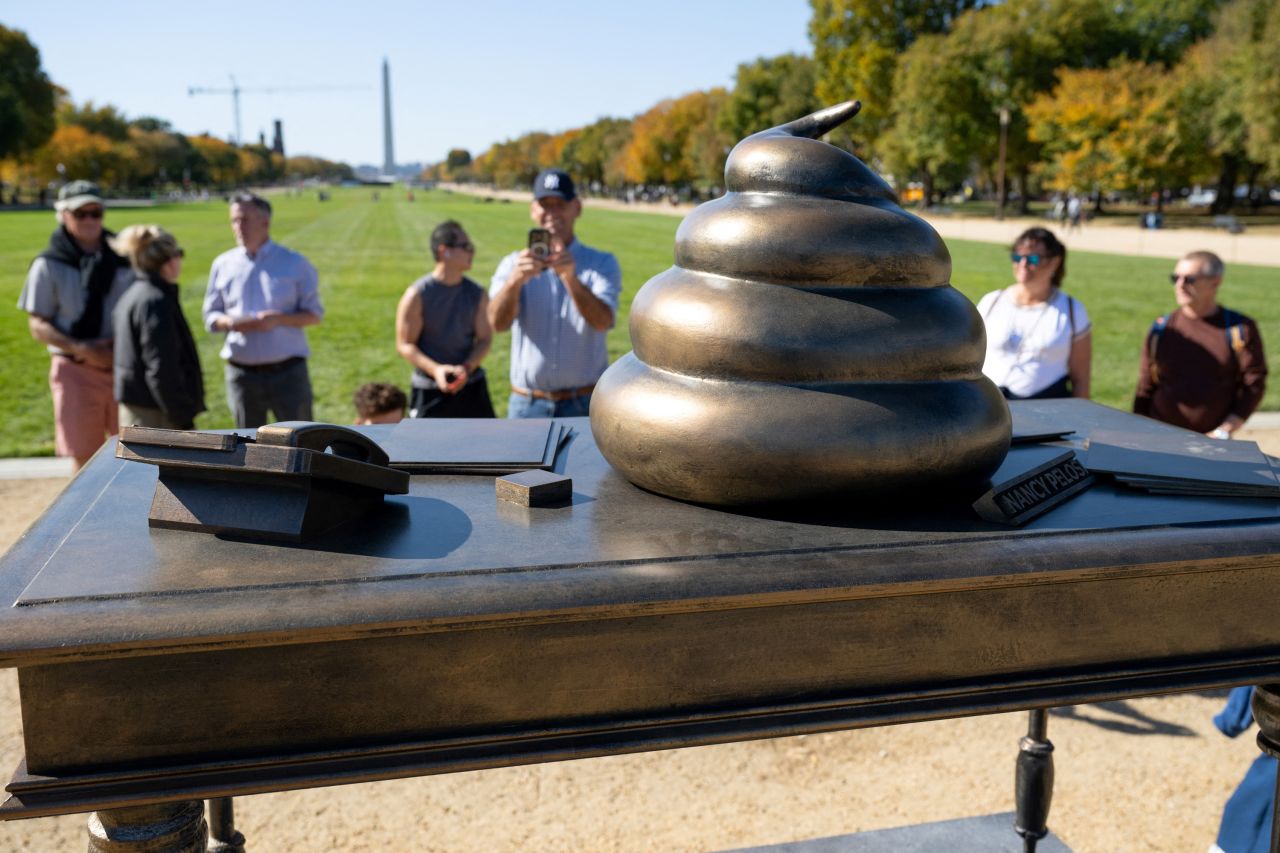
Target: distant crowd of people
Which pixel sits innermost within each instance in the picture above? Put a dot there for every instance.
(106, 306)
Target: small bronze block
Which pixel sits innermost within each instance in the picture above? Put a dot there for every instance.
(535, 488)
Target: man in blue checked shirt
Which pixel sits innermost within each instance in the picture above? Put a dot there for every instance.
(262, 295)
(558, 309)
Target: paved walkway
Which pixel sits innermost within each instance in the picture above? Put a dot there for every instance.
(1257, 249)
(35, 468)
(1246, 248)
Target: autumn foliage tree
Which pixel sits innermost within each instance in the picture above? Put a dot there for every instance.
(1261, 85)
(1100, 95)
(1233, 79)
(47, 138)
(513, 162)
(856, 45)
(1146, 126)
(304, 167)
(1113, 128)
(157, 155)
(594, 155)
(936, 76)
(937, 130)
(676, 143)
(220, 165)
(552, 150)
(75, 151)
(106, 120)
(102, 144)
(768, 92)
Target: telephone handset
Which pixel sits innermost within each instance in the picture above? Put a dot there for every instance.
(308, 435)
(294, 481)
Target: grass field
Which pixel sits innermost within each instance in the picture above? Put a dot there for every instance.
(367, 252)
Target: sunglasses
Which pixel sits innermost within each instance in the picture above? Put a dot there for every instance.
(1174, 278)
(93, 213)
(181, 253)
(1032, 260)
(466, 247)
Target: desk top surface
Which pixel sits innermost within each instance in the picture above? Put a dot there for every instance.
(91, 578)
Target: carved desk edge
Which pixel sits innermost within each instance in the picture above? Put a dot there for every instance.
(33, 796)
(606, 590)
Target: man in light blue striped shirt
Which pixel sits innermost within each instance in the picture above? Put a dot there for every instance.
(558, 307)
(262, 295)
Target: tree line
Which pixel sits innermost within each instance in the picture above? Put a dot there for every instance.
(679, 143)
(1137, 97)
(46, 138)
(1097, 96)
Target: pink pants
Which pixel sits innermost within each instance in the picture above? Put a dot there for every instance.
(84, 408)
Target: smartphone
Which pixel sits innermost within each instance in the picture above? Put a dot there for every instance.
(540, 243)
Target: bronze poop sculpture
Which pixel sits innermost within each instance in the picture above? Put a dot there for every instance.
(806, 345)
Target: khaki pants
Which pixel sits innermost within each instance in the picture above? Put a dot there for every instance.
(146, 416)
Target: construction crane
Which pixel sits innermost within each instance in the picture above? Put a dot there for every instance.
(236, 90)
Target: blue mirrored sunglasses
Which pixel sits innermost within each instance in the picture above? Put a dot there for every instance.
(1032, 260)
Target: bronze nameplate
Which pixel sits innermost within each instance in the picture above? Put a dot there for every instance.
(1031, 482)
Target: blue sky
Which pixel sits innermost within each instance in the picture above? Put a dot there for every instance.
(462, 74)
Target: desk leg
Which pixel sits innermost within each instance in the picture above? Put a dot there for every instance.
(223, 837)
(163, 828)
(1033, 781)
(1266, 712)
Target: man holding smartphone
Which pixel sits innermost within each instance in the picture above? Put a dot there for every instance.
(559, 301)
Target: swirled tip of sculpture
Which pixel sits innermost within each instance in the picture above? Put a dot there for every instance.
(790, 158)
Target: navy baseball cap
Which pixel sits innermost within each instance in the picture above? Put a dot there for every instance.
(554, 182)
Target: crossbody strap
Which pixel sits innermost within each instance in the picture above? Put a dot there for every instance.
(1153, 347)
(1233, 329)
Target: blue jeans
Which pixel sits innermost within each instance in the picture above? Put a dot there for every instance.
(285, 391)
(520, 406)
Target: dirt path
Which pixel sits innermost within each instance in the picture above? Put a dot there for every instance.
(1145, 775)
(1259, 246)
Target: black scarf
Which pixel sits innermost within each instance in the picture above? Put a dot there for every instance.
(97, 272)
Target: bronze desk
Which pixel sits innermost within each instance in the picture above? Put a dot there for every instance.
(453, 632)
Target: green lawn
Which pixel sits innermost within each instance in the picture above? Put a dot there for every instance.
(367, 252)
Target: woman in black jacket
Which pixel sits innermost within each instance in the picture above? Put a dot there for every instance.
(157, 369)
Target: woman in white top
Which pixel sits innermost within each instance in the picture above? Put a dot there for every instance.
(1038, 338)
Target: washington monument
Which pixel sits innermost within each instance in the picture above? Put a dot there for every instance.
(388, 152)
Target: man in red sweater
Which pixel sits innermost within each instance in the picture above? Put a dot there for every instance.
(1202, 365)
